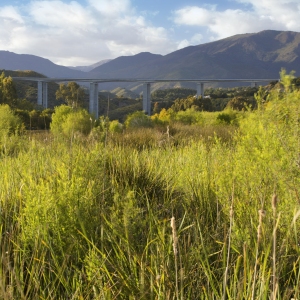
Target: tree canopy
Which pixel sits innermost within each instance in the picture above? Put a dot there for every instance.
(197, 103)
(72, 93)
(8, 92)
(67, 121)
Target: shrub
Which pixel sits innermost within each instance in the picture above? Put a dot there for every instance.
(227, 117)
(115, 126)
(9, 122)
(68, 121)
(138, 119)
(58, 118)
(78, 121)
(163, 117)
(241, 103)
(190, 116)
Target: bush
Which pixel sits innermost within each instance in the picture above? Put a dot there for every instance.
(9, 122)
(68, 121)
(58, 118)
(190, 116)
(241, 103)
(163, 117)
(115, 126)
(138, 119)
(228, 116)
(78, 121)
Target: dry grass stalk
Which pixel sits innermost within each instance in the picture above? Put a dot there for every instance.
(175, 250)
(231, 214)
(274, 279)
(261, 215)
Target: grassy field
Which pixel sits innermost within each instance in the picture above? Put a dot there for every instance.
(184, 212)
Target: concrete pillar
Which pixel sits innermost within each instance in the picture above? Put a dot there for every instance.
(93, 103)
(40, 93)
(147, 98)
(45, 94)
(253, 84)
(91, 97)
(200, 89)
(96, 101)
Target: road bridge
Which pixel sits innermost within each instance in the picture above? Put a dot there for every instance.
(42, 86)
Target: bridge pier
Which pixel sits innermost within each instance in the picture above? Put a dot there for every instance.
(94, 103)
(147, 98)
(45, 94)
(42, 83)
(200, 89)
(42, 94)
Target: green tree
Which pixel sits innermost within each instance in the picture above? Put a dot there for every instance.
(172, 94)
(240, 103)
(79, 121)
(196, 103)
(8, 92)
(115, 126)
(189, 116)
(9, 122)
(58, 118)
(72, 93)
(67, 121)
(138, 119)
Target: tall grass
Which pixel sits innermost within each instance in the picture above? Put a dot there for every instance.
(85, 218)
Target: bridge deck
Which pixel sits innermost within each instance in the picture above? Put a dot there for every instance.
(144, 80)
(93, 101)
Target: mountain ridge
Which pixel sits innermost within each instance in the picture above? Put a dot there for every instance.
(90, 67)
(28, 62)
(250, 55)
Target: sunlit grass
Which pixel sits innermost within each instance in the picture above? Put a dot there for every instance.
(90, 217)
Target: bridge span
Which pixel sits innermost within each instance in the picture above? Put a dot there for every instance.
(42, 86)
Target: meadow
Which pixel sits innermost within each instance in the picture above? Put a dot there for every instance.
(202, 211)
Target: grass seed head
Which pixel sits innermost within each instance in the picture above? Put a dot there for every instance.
(174, 235)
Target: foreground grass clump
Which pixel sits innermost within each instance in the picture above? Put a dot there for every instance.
(124, 216)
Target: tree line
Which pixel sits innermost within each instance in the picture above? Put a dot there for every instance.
(176, 99)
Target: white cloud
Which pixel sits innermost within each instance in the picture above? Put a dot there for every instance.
(261, 15)
(285, 12)
(193, 15)
(196, 38)
(59, 14)
(72, 34)
(11, 26)
(112, 8)
(184, 43)
(10, 13)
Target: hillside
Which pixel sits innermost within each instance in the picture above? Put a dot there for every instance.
(257, 55)
(90, 67)
(28, 89)
(252, 55)
(22, 62)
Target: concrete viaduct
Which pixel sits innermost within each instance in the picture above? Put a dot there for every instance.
(42, 87)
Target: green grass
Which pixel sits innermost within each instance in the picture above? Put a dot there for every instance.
(90, 218)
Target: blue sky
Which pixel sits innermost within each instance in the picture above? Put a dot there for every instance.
(83, 32)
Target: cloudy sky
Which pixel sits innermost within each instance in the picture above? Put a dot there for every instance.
(83, 32)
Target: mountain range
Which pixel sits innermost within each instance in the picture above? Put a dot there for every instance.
(251, 55)
(91, 67)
